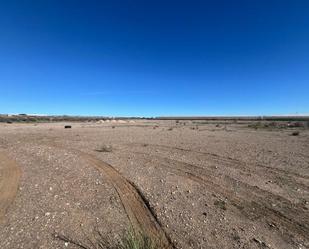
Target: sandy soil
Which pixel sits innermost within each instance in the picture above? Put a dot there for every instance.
(192, 186)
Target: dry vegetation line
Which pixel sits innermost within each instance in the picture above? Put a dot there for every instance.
(139, 214)
(9, 178)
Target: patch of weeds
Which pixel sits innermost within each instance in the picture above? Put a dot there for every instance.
(129, 240)
(265, 125)
(105, 148)
(221, 204)
(133, 240)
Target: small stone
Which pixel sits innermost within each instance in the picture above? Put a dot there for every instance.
(261, 243)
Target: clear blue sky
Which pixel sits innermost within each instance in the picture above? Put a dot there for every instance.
(150, 58)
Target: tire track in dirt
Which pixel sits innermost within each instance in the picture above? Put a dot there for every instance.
(251, 201)
(280, 176)
(138, 211)
(9, 179)
(289, 178)
(229, 160)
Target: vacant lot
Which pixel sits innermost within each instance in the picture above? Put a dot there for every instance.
(188, 184)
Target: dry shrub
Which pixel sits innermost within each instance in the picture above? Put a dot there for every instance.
(129, 240)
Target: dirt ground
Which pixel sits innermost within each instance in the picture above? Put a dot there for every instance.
(192, 185)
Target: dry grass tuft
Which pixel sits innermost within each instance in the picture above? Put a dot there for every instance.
(129, 240)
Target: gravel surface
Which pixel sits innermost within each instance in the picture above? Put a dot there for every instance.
(196, 185)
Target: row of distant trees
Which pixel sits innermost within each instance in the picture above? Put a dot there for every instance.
(35, 118)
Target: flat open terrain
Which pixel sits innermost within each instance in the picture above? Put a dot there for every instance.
(196, 185)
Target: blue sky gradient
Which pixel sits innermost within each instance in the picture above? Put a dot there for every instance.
(152, 58)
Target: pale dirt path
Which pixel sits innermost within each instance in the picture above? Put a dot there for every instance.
(9, 179)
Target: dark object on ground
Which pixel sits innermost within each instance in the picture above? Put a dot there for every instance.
(295, 133)
(9, 122)
(67, 127)
(105, 148)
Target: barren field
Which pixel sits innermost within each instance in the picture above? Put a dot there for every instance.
(187, 184)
